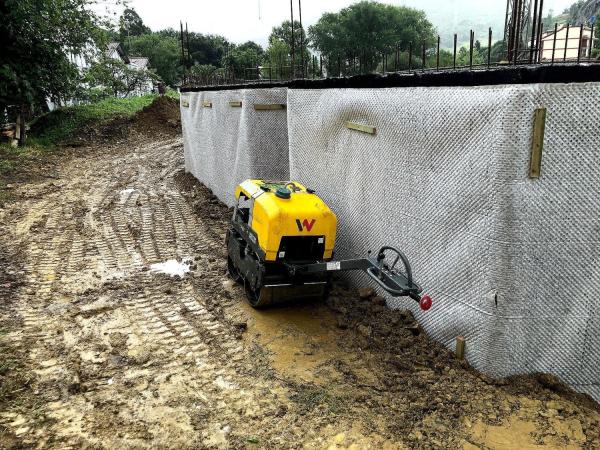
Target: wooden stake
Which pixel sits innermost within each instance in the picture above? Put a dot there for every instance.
(539, 129)
(361, 127)
(460, 347)
(268, 106)
(23, 126)
(17, 136)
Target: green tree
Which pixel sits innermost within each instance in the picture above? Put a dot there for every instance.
(163, 53)
(240, 58)
(204, 48)
(112, 77)
(207, 49)
(367, 30)
(446, 58)
(38, 38)
(499, 51)
(278, 58)
(463, 58)
(203, 69)
(131, 24)
(208, 73)
(405, 61)
(279, 52)
(163, 48)
(283, 33)
(252, 47)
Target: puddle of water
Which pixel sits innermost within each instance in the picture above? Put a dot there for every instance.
(125, 194)
(172, 267)
(301, 341)
(224, 384)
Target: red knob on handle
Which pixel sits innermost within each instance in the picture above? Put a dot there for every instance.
(425, 302)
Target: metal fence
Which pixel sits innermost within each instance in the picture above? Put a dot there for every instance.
(542, 48)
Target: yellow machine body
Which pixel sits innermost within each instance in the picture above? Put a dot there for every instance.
(280, 247)
(272, 218)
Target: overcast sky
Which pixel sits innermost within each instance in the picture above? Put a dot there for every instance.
(243, 20)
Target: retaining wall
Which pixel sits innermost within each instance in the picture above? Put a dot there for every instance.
(225, 143)
(511, 262)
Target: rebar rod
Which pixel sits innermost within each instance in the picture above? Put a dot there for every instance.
(539, 47)
(540, 30)
(566, 42)
(301, 36)
(518, 30)
(580, 44)
(489, 58)
(437, 57)
(455, 44)
(471, 39)
(293, 46)
(533, 30)
(591, 43)
(554, 43)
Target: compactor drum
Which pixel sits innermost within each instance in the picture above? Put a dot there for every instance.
(280, 246)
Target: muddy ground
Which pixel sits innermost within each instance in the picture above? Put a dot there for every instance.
(100, 350)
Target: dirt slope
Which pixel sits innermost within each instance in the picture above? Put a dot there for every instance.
(108, 353)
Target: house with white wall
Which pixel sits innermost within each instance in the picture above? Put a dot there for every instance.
(568, 43)
(113, 50)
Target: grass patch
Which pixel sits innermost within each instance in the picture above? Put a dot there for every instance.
(5, 195)
(7, 166)
(14, 159)
(64, 123)
(173, 94)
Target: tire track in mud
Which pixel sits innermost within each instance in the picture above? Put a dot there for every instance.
(164, 324)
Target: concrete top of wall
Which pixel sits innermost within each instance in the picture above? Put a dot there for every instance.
(569, 73)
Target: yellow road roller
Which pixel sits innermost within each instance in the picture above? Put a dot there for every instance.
(280, 246)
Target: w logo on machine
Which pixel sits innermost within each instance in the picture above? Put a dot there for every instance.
(305, 224)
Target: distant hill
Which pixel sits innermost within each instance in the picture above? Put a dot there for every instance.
(461, 16)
